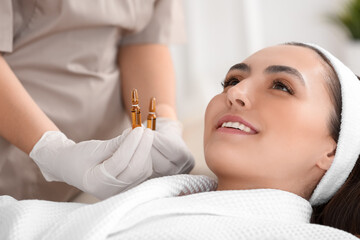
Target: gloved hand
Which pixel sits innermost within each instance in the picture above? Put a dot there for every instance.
(101, 168)
(169, 153)
(105, 168)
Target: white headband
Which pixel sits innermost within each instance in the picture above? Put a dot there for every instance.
(348, 145)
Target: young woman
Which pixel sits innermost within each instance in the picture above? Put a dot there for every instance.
(282, 138)
(289, 98)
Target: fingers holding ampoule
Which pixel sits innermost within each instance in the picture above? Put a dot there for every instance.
(143, 153)
(128, 166)
(139, 168)
(169, 153)
(122, 156)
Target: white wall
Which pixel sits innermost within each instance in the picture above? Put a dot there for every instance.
(305, 20)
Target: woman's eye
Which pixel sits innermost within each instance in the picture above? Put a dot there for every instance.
(230, 82)
(283, 87)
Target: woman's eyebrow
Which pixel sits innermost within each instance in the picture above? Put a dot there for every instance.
(241, 66)
(285, 69)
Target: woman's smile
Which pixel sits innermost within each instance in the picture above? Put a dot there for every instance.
(235, 125)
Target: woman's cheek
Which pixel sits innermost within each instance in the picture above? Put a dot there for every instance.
(213, 109)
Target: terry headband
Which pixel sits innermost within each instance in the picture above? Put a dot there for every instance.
(348, 145)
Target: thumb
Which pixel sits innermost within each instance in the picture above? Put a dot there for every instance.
(106, 148)
(110, 146)
(140, 165)
(124, 152)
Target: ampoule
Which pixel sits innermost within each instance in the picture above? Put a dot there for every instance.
(151, 118)
(135, 110)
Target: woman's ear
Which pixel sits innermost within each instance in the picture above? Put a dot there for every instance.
(328, 157)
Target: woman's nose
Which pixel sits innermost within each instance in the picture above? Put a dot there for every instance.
(238, 96)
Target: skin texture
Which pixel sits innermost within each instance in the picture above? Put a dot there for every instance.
(292, 147)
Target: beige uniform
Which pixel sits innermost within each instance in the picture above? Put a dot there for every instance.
(65, 54)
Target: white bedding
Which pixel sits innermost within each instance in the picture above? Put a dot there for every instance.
(154, 210)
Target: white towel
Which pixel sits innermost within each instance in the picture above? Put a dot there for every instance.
(348, 145)
(176, 207)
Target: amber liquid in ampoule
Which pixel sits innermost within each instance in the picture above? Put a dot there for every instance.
(151, 118)
(135, 110)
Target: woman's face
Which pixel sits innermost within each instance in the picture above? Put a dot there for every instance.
(269, 126)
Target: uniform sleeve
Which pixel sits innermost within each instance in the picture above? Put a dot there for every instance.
(6, 26)
(165, 26)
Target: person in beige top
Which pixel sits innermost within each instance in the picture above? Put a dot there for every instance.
(67, 69)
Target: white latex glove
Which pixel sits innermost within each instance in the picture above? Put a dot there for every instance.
(169, 153)
(101, 168)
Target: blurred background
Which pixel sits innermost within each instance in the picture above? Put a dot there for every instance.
(222, 33)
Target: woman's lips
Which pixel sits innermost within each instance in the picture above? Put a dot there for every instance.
(235, 124)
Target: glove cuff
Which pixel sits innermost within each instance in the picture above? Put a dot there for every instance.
(45, 151)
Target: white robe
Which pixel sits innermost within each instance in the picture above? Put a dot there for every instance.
(176, 207)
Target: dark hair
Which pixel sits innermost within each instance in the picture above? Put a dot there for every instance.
(342, 211)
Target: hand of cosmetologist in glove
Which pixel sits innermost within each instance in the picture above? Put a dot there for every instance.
(105, 168)
(82, 164)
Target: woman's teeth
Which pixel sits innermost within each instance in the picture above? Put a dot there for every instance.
(236, 125)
